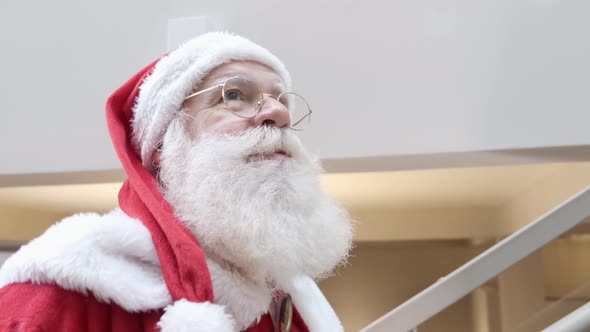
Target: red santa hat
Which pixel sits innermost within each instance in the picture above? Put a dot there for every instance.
(138, 114)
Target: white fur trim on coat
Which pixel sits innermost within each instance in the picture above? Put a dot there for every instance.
(113, 257)
(313, 306)
(176, 75)
(245, 301)
(185, 316)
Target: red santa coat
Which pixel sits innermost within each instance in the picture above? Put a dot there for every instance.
(35, 308)
(107, 273)
(93, 272)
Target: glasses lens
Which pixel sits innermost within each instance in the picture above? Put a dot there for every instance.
(241, 97)
(298, 109)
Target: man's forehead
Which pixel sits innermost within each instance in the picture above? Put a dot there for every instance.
(253, 71)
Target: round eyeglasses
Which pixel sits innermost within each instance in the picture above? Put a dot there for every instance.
(244, 99)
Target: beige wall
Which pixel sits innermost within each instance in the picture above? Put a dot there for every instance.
(402, 249)
(19, 225)
(381, 276)
(567, 267)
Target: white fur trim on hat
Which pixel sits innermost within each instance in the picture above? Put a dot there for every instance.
(185, 316)
(176, 75)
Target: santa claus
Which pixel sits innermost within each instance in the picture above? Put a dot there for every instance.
(222, 224)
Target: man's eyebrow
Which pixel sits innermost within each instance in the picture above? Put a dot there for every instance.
(225, 77)
(279, 87)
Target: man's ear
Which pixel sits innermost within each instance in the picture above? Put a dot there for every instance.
(156, 156)
(156, 159)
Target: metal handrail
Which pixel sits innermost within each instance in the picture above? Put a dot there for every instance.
(484, 267)
(576, 321)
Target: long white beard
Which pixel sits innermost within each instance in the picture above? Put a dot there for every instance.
(269, 219)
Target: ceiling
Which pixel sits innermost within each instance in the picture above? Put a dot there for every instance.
(384, 78)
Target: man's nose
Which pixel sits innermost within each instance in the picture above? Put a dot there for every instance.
(272, 113)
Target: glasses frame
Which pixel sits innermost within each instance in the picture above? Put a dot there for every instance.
(258, 103)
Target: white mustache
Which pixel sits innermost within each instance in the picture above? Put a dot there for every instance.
(272, 140)
(264, 140)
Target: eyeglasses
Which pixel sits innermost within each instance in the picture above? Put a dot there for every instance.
(244, 99)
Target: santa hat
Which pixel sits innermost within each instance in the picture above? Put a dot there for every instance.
(176, 75)
(138, 114)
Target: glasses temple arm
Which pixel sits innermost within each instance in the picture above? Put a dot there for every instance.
(203, 91)
(303, 118)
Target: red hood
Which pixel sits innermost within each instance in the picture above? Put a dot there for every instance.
(181, 258)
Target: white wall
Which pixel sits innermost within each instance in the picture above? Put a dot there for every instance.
(395, 78)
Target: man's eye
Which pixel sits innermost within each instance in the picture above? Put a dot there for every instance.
(232, 95)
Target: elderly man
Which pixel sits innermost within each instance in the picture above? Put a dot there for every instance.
(222, 224)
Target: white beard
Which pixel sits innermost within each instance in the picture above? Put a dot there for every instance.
(269, 219)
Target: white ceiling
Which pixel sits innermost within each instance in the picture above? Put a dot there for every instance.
(385, 78)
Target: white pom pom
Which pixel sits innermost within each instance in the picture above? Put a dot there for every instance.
(185, 316)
